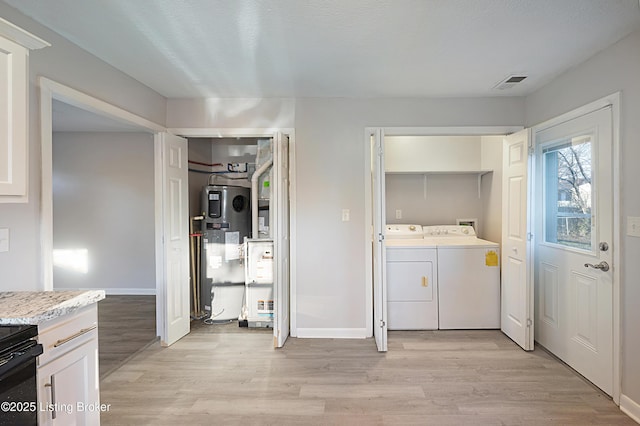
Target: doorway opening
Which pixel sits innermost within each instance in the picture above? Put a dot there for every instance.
(526, 224)
(101, 191)
(575, 216)
(223, 174)
(433, 177)
(240, 203)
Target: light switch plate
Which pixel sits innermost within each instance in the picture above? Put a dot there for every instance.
(345, 215)
(4, 240)
(633, 226)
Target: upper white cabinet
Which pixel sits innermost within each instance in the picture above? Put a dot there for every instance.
(15, 44)
(433, 154)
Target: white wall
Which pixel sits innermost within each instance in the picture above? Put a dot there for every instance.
(448, 197)
(331, 283)
(103, 201)
(70, 65)
(614, 69)
(330, 162)
(491, 188)
(230, 113)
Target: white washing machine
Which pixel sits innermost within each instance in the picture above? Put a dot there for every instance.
(468, 277)
(412, 279)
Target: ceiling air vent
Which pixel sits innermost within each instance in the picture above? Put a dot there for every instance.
(509, 82)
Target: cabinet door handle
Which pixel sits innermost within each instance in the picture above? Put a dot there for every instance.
(52, 389)
(78, 334)
(425, 282)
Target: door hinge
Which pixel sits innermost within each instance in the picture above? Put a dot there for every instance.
(531, 150)
(529, 236)
(380, 237)
(382, 324)
(529, 322)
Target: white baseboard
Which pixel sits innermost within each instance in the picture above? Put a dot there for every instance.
(331, 333)
(117, 291)
(630, 407)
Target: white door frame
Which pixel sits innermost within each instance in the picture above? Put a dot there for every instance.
(405, 131)
(612, 100)
(212, 132)
(50, 91)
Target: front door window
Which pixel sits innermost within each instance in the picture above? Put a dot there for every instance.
(567, 186)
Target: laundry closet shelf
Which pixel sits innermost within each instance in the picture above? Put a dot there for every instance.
(439, 172)
(479, 173)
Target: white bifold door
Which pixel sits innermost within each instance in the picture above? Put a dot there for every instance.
(281, 238)
(172, 260)
(574, 247)
(517, 286)
(377, 240)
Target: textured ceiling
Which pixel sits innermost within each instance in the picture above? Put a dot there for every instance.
(338, 48)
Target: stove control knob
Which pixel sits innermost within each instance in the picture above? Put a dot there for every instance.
(412, 228)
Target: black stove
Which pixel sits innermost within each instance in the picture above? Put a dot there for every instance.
(18, 389)
(12, 334)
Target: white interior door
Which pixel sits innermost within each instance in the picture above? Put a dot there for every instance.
(574, 226)
(517, 290)
(377, 240)
(281, 239)
(173, 261)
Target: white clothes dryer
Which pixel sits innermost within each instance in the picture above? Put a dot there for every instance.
(468, 278)
(412, 279)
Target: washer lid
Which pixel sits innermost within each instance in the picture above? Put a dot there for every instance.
(453, 243)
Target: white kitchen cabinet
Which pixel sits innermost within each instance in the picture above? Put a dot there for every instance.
(15, 44)
(412, 288)
(68, 375)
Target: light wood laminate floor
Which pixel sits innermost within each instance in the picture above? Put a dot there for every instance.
(126, 325)
(223, 376)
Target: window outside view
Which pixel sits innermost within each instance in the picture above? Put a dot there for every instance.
(568, 196)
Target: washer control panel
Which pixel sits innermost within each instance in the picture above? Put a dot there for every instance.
(448, 231)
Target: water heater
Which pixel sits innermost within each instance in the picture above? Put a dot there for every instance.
(227, 221)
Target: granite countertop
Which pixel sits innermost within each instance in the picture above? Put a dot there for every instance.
(36, 307)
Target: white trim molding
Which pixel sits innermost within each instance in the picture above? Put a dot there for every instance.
(50, 90)
(368, 210)
(613, 101)
(23, 38)
(265, 132)
(118, 291)
(630, 408)
(332, 333)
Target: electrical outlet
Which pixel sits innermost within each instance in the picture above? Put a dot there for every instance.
(633, 226)
(4, 240)
(398, 214)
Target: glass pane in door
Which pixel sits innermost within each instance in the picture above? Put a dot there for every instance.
(567, 186)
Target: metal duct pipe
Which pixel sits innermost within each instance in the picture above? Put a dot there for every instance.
(254, 197)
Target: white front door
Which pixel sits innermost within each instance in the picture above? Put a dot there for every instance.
(574, 252)
(173, 260)
(378, 245)
(517, 290)
(281, 239)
